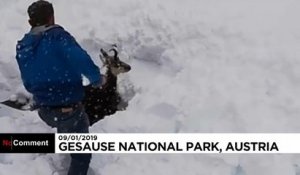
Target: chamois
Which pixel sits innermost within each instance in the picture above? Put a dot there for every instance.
(102, 101)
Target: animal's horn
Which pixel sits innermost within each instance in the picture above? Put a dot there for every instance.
(115, 52)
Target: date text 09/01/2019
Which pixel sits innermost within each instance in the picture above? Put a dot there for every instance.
(169, 146)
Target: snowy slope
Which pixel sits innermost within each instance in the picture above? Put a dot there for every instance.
(198, 66)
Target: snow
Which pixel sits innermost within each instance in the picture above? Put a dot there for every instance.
(197, 66)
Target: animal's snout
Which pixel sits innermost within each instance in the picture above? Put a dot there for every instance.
(121, 67)
(126, 67)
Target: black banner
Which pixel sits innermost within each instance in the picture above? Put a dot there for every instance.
(27, 143)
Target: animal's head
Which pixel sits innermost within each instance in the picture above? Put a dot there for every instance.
(113, 63)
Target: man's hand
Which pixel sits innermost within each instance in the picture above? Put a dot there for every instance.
(104, 80)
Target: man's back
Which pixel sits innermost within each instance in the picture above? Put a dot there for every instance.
(51, 64)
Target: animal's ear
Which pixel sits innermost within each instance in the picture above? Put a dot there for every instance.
(103, 53)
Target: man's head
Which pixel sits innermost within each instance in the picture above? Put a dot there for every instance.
(40, 13)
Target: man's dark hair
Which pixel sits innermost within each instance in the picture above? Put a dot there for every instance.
(40, 12)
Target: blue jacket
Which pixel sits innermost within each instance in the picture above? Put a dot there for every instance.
(52, 64)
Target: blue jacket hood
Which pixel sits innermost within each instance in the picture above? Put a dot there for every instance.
(31, 40)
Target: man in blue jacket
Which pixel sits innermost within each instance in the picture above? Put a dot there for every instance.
(52, 63)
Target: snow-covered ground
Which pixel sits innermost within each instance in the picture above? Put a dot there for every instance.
(198, 66)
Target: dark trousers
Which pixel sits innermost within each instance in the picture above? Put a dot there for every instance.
(75, 121)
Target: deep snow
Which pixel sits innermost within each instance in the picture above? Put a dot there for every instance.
(198, 66)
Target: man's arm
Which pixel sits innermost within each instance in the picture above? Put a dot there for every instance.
(79, 59)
